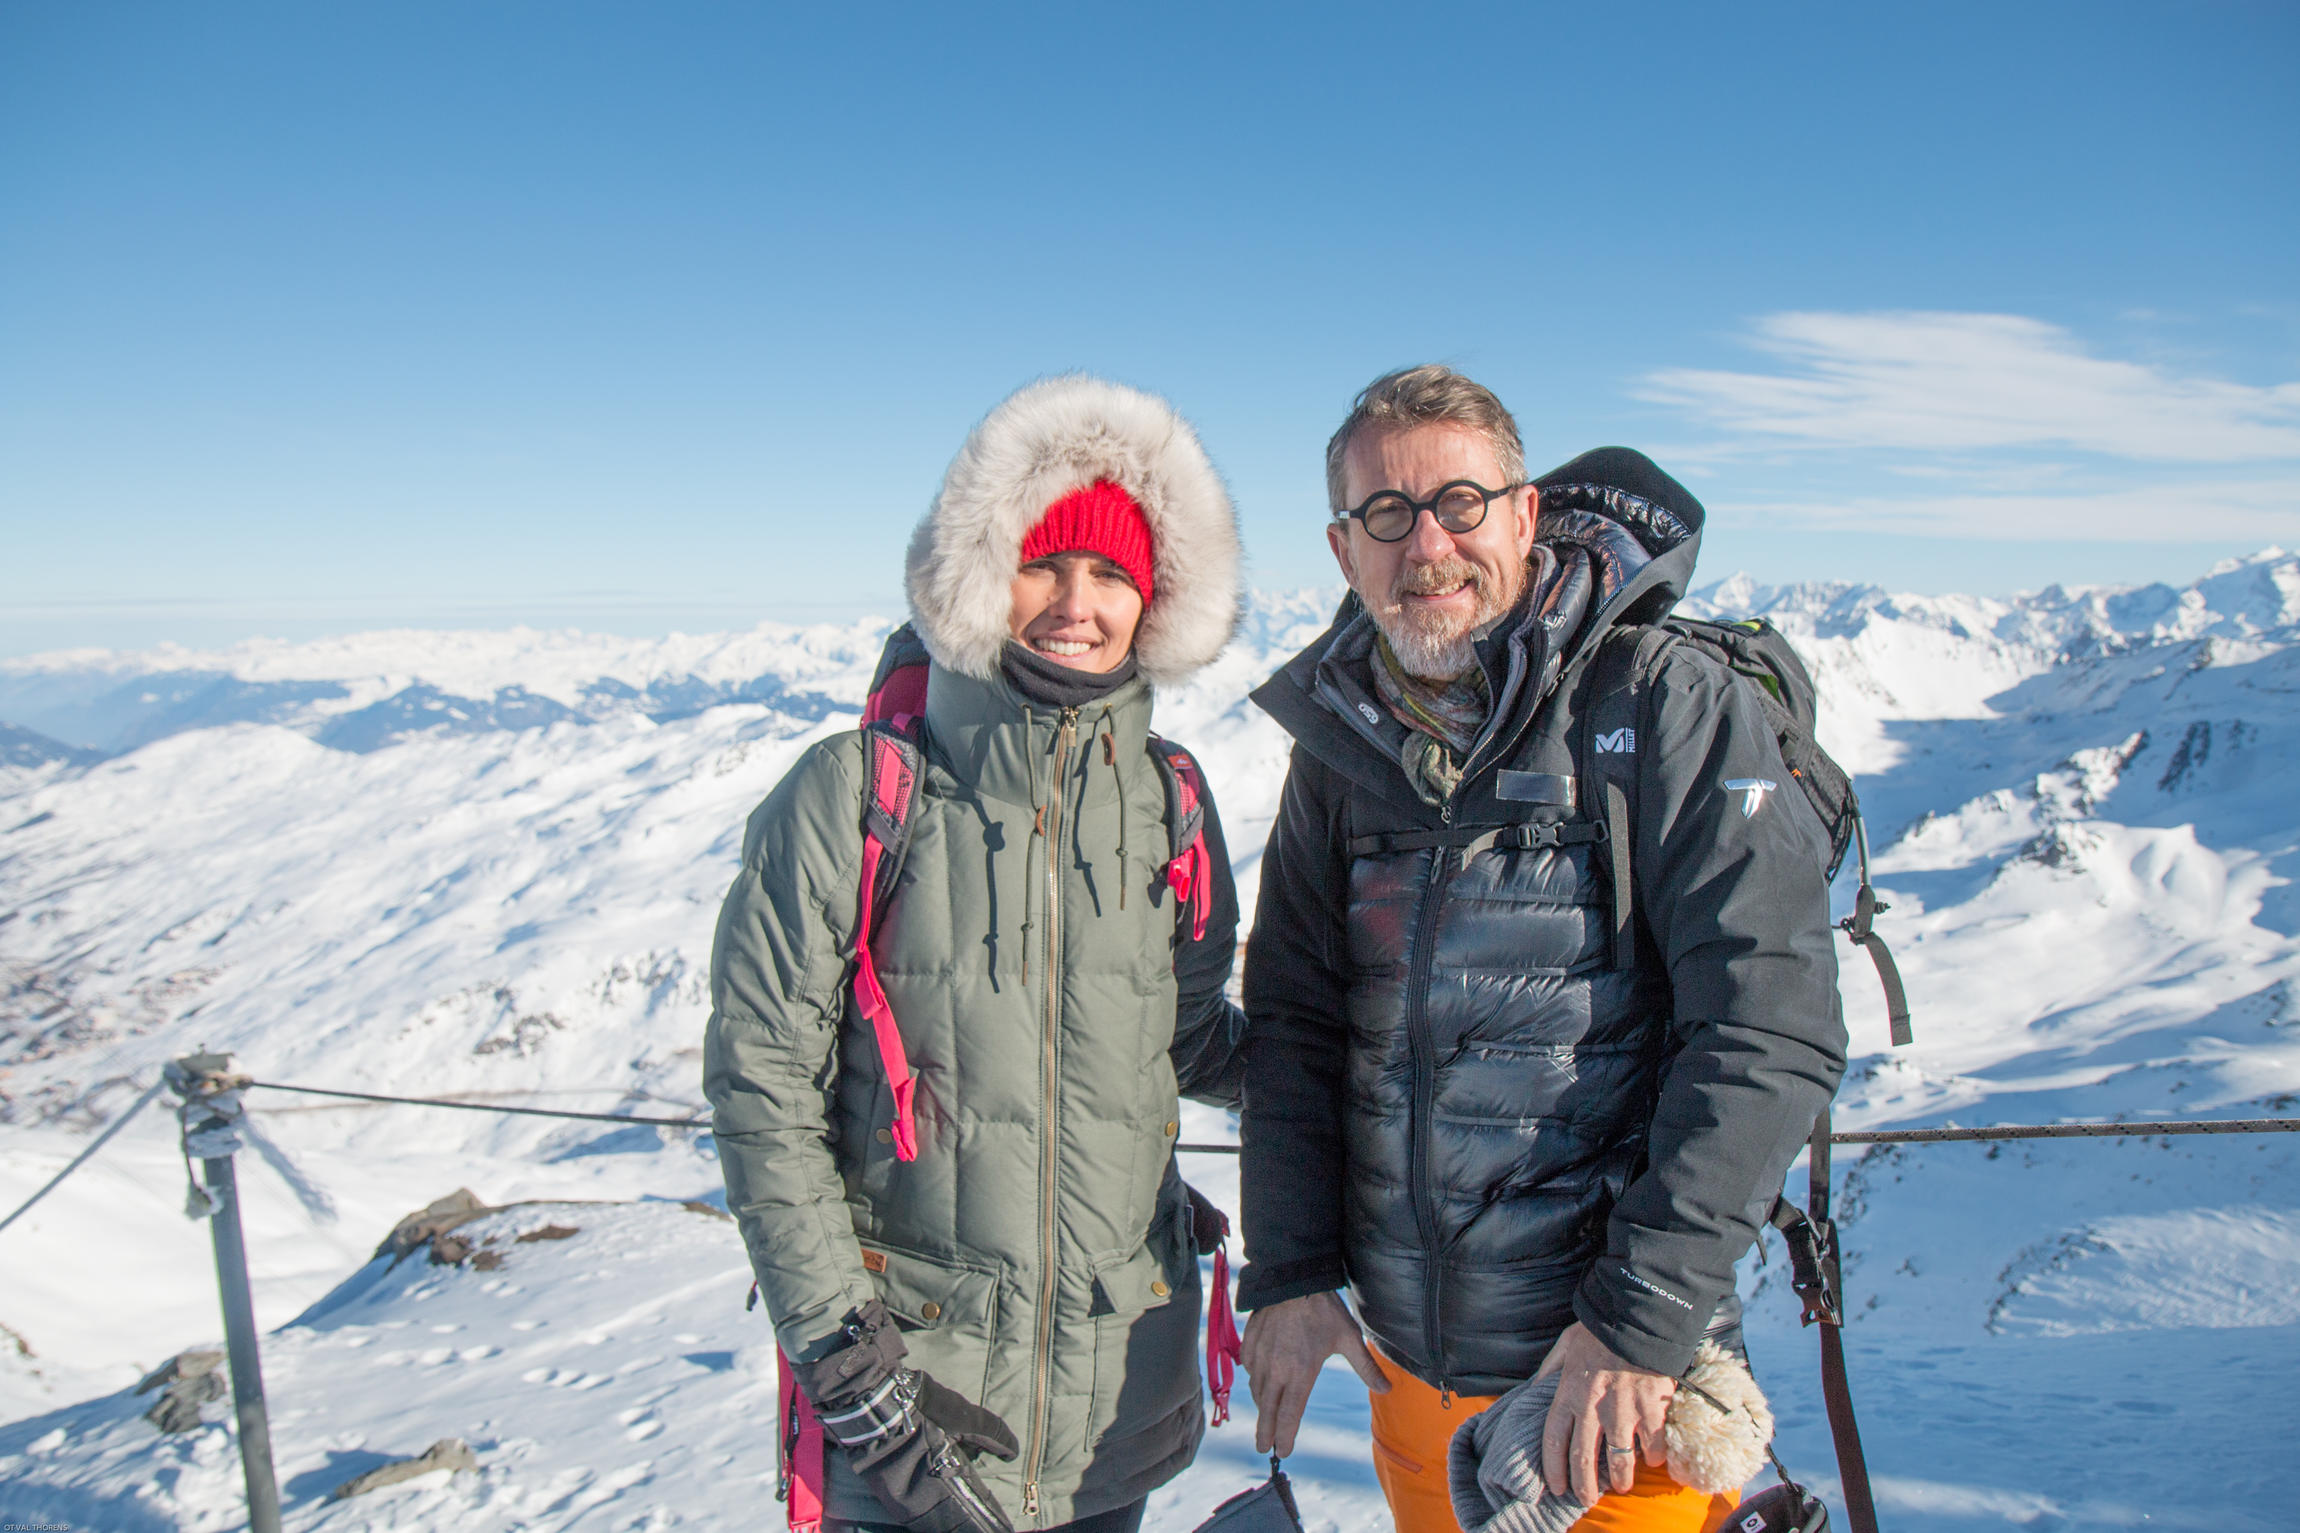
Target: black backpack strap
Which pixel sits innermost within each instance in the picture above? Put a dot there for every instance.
(1624, 891)
(1817, 1274)
(1859, 926)
(1520, 837)
(1611, 725)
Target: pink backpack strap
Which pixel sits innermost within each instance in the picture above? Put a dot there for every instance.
(1191, 872)
(897, 693)
(900, 700)
(800, 1438)
(888, 798)
(1222, 1344)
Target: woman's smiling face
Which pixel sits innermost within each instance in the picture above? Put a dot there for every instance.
(1076, 609)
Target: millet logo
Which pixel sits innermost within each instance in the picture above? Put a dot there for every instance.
(1618, 742)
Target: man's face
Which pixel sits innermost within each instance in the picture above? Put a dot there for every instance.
(1434, 593)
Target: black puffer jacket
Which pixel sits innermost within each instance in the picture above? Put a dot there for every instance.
(1455, 1100)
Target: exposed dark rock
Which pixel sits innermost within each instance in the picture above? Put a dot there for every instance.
(432, 1221)
(450, 1453)
(2194, 749)
(525, 1037)
(186, 1382)
(184, 1365)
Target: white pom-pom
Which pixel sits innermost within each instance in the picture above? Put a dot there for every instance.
(1713, 1450)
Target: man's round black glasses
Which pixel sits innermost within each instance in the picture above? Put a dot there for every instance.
(1459, 506)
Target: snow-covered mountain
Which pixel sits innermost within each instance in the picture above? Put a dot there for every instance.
(363, 692)
(485, 866)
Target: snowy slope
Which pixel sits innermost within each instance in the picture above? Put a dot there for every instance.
(2082, 817)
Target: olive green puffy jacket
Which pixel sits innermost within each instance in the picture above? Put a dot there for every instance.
(1037, 1252)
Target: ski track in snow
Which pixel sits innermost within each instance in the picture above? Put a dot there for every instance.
(486, 866)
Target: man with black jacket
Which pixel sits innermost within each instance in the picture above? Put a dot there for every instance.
(1526, 1139)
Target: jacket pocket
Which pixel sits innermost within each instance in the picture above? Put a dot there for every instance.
(1144, 1310)
(1142, 1281)
(948, 1313)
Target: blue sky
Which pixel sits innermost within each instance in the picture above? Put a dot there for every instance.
(646, 316)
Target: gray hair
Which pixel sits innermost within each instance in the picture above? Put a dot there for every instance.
(1429, 395)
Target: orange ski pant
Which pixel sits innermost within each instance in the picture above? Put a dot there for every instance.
(1413, 1425)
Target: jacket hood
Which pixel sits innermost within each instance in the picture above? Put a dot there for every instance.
(1045, 440)
(1618, 489)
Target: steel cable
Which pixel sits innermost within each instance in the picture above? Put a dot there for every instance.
(85, 1155)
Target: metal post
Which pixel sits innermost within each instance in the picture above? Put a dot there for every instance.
(210, 1115)
(240, 1341)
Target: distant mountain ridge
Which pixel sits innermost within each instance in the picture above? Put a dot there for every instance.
(364, 691)
(29, 748)
(2239, 598)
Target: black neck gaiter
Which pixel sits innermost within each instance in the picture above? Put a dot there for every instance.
(1053, 685)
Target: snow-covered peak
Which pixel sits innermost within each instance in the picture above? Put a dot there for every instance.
(2239, 598)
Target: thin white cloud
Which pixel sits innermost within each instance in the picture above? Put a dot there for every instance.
(1970, 381)
(2260, 511)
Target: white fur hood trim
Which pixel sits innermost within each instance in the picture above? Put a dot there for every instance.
(1047, 439)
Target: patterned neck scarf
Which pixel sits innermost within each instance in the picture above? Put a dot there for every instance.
(1453, 711)
(1446, 717)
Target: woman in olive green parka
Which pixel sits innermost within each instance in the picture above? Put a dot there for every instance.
(1037, 1256)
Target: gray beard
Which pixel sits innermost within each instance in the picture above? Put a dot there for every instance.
(1430, 657)
(1440, 655)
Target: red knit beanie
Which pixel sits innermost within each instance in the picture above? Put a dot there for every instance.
(1100, 519)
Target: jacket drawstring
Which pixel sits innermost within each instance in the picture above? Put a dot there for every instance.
(1110, 760)
(1030, 884)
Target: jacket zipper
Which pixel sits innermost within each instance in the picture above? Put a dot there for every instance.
(1421, 1048)
(1049, 1105)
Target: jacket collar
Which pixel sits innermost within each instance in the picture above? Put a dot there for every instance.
(1001, 745)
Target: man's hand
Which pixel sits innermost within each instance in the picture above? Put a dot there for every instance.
(1604, 1405)
(1286, 1345)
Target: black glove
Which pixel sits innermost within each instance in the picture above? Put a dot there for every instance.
(1209, 1226)
(910, 1439)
